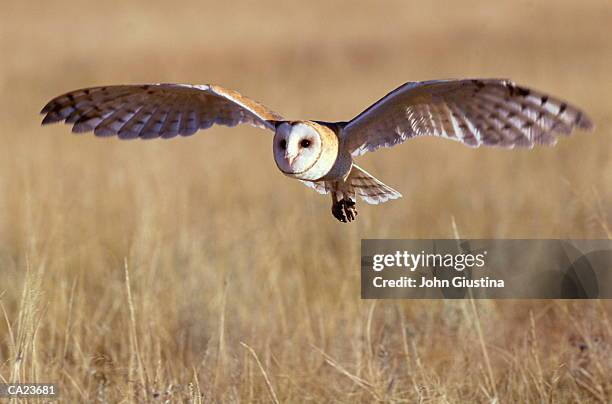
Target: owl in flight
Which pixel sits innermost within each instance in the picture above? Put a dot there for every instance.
(488, 112)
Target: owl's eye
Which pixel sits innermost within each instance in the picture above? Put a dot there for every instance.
(305, 143)
(283, 144)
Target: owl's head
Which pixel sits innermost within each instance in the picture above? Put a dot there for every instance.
(304, 150)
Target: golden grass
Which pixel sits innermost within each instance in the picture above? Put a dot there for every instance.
(176, 270)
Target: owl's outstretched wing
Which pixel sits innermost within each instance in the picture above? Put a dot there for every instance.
(155, 110)
(488, 112)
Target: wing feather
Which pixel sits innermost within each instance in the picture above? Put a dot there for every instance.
(153, 128)
(489, 112)
(134, 126)
(172, 123)
(119, 117)
(155, 110)
(189, 125)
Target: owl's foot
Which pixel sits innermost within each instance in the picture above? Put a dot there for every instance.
(344, 210)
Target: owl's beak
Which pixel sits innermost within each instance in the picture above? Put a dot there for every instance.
(289, 158)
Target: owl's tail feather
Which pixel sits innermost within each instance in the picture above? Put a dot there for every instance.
(359, 182)
(369, 188)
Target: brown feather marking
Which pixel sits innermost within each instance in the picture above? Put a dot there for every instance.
(524, 109)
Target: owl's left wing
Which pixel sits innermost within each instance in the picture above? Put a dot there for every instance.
(488, 112)
(155, 110)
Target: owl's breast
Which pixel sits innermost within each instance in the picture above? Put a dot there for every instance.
(340, 168)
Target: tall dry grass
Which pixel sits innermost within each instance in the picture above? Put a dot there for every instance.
(179, 270)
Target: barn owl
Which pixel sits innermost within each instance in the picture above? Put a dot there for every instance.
(489, 112)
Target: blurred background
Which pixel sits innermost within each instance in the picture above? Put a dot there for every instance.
(193, 269)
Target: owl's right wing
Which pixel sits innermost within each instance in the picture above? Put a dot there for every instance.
(489, 112)
(155, 110)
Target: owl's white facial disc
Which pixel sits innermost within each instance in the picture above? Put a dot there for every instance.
(297, 149)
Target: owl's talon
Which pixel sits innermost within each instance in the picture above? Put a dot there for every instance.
(338, 212)
(350, 210)
(344, 210)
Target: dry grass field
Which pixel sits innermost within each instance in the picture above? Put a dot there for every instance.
(175, 271)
